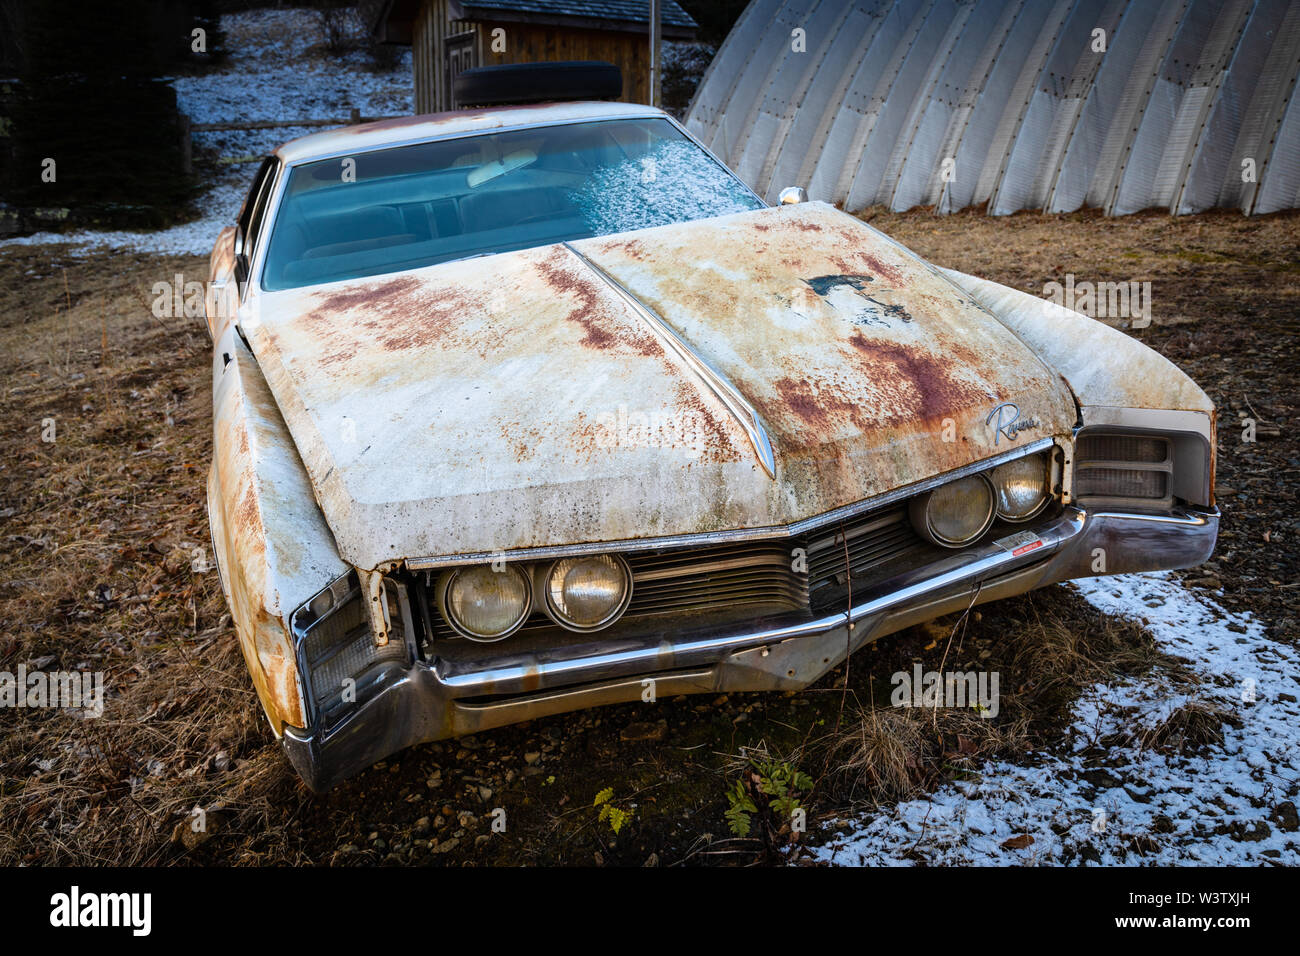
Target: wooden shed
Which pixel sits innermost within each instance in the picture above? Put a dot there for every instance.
(448, 36)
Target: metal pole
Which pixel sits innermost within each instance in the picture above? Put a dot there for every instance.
(654, 52)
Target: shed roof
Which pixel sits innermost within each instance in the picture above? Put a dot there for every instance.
(1010, 104)
(633, 11)
(393, 18)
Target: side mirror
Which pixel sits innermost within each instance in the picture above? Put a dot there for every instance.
(792, 195)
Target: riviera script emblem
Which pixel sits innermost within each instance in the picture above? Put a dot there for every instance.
(1009, 422)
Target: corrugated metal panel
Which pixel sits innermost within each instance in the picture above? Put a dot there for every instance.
(892, 102)
(812, 121)
(770, 118)
(915, 167)
(842, 142)
(1031, 59)
(1278, 189)
(972, 124)
(1014, 95)
(1077, 80)
(713, 97)
(1194, 114)
(1212, 166)
(1098, 137)
(1278, 83)
(1135, 188)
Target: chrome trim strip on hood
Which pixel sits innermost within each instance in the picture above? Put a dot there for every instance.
(740, 534)
(727, 393)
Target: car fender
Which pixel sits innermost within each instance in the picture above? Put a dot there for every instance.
(1103, 366)
(271, 542)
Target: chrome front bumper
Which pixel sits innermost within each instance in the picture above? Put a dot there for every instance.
(433, 700)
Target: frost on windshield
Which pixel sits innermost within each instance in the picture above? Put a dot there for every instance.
(672, 182)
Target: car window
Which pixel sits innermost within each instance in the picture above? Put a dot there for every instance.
(250, 200)
(417, 205)
(256, 210)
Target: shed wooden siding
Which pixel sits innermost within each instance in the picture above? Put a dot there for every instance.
(525, 43)
(428, 31)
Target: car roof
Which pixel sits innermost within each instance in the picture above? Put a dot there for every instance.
(430, 126)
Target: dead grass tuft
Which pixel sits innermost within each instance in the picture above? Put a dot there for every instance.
(1194, 725)
(1046, 647)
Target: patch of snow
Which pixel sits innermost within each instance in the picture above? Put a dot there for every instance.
(271, 75)
(1215, 805)
(221, 205)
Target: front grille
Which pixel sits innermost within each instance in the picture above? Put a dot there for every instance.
(720, 576)
(781, 575)
(1121, 483)
(1131, 448)
(859, 548)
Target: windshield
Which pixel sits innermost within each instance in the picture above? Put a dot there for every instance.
(413, 206)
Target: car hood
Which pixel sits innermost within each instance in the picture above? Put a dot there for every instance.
(630, 386)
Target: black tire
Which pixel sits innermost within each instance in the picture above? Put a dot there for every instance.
(538, 83)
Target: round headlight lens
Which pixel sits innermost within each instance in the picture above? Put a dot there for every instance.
(1021, 487)
(483, 604)
(588, 593)
(955, 514)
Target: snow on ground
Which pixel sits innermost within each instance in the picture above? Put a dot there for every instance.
(271, 74)
(1213, 806)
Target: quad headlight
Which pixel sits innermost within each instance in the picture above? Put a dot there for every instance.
(956, 513)
(1022, 487)
(485, 604)
(588, 593)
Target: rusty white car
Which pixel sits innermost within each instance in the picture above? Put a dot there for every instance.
(527, 409)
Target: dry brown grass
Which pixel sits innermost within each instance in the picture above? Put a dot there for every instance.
(1216, 264)
(1188, 728)
(1046, 656)
(96, 542)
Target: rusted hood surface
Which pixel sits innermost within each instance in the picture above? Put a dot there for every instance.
(519, 400)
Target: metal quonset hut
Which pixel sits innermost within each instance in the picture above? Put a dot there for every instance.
(954, 103)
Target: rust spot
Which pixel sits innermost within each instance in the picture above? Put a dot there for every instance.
(590, 311)
(817, 407)
(355, 297)
(715, 434)
(876, 267)
(397, 314)
(915, 380)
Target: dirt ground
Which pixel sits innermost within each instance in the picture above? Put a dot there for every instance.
(104, 448)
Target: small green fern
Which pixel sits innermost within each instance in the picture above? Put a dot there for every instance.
(609, 813)
(776, 783)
